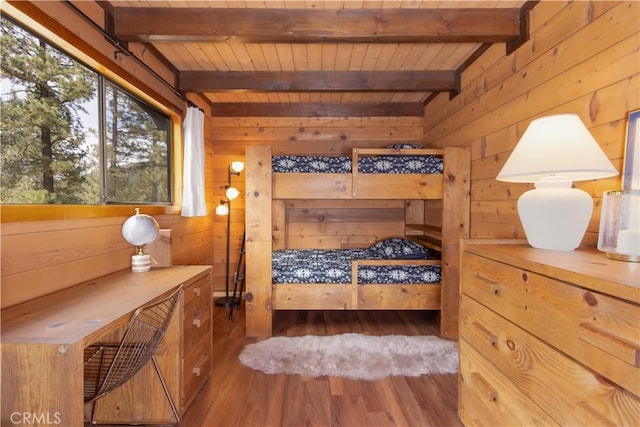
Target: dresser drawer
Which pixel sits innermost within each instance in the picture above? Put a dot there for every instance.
(509, 368)
(197, 320)
(488, 398)
(595, 329)
(196, 368)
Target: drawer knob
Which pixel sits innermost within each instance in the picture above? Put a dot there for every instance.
(198, 370)
(494, 287)
(200, 318)
(197, 291)
(249, 297)
(492, 339)
(611, 343)
(483, 386)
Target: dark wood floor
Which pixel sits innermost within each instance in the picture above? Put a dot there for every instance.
(238, 396)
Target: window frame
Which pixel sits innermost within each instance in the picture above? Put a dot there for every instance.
(18, 213)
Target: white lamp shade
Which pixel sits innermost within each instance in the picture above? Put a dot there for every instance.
(557, 145)
(140, 229)
(553, 152)
(237, 167)
(222, 209)
(232, 193)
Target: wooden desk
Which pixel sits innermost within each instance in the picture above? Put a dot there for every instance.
(43, 342)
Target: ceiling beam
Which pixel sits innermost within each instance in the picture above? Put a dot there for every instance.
(318, 81)
(152, 24)
(317, 109)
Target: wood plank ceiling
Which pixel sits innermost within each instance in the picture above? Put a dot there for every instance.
(344, 57)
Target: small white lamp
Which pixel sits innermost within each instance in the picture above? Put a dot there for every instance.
(554, 151)
(234, 168)
(223, 208)
(140, 230)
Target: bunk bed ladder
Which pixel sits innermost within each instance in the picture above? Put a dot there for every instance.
(238, 278)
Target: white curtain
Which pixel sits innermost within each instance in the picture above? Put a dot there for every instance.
(193, 202)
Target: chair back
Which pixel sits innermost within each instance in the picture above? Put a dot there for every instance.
(107, 367)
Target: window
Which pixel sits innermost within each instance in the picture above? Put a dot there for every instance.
(71, 136)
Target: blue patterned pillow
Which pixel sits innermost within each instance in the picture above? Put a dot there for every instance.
(403, 146)
(399, 248)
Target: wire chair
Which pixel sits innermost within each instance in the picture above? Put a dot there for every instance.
(108, 366)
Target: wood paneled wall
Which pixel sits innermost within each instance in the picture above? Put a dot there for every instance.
(309, 224)
(40, 257)
(582, 58)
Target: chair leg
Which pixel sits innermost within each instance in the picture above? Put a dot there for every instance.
(93, 412)
(166, 390)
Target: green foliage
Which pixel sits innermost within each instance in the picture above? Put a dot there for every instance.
(49, 154)
(43, 141)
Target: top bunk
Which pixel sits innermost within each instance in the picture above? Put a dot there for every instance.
(368, 173)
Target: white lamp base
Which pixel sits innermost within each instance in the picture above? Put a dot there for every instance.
(140, 263)
(554, 215)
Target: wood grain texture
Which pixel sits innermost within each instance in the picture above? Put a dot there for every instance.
(452, 186)
(43, 342)
(545, 341)
(252, 398)
(258, 225)
(566, 66)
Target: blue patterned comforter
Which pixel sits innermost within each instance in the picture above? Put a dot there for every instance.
(334, 266)
(366, 164)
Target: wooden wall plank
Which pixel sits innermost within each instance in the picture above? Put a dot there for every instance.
(324, 135)
(582, 57)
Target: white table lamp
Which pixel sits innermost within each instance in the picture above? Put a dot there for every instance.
(139, 230)
(554, 151)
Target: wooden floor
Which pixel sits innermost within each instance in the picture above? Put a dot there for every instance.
(238, 396)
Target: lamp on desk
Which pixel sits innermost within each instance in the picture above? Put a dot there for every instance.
(139, 230)
(554, 151)
(224, 208)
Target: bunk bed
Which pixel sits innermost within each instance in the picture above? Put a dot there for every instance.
(359, 176)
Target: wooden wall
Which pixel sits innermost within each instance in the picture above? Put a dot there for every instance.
(582, 58)
(310, 224)
(41, 256)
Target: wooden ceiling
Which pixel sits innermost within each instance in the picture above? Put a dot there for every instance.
(367, 57)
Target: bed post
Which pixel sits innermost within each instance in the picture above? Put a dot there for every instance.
(455, 226)
(259, 313)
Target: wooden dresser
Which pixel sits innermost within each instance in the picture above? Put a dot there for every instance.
(548, 338)
(43, 341)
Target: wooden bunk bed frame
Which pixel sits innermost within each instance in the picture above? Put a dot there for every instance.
(266, 193)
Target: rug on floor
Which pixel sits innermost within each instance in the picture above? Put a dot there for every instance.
(354, 356)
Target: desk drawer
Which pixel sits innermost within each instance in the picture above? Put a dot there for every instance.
(509, 366)
(196, 289)
(197, 319)
(596, 329)
(196, 368)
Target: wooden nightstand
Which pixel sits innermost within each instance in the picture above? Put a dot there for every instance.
(548, 337)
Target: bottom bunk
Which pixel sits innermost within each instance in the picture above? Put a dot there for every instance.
(393, 274)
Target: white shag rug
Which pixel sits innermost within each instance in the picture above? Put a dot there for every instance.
(354, 356)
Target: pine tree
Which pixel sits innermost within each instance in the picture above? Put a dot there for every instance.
(44, 149)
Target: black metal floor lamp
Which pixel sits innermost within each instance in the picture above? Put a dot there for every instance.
(224, 208)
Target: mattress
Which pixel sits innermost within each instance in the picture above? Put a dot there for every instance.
(334, 266)
(366, 164)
